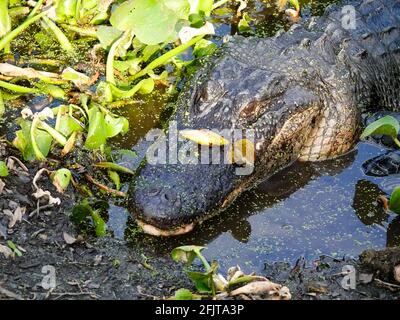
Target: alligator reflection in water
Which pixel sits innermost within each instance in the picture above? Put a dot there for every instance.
(306, 210)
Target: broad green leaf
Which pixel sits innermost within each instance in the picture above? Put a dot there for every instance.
(180, 7)
(115, 167)
(186, 254)
(114, 176)
(61, 179)
(204, 48)
(65, 10)
(185, 294)
(23, 140)
(3, 169)
(115, 125)
(5, 20)
(150, 20)
(202, 281)
(99, 224)
(387, 126)
(68, 125)
(107, 35)
(97, 134)
(197, 6)
(243, 24)
(81, 212)
(394, 202)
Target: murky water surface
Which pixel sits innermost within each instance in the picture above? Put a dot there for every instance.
(306, 210)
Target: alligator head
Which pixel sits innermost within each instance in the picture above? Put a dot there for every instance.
(239, 90)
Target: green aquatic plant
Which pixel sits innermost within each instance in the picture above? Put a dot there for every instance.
(388, 126)
(84, 215)
(210, 283)
(3, 169)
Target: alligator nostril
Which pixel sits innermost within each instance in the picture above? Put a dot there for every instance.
(154, 191)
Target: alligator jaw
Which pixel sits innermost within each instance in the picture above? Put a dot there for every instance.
(154, 231)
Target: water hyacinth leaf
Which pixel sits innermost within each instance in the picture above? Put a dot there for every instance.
(244, 23)
(185, 294)
(394, 202)
(115, 167)
(77, 78)
(202, 281)
(69, 145)
(114, 176)
(65, 10)
(68, 125)
(180, 7)
(197, 6)
(3, 169)
(23, 139)
(13, 247)
(150, 20)
(104, 92)
(204, 137)
(96, 136)
(186, 254)
(54, 91)
(295, 4)
(387, 125)
(115, 125)
(61, 179)
(81, 212)
(145, 86)
(99, 225)
(107, 35)
(204, 48)
(5, 20)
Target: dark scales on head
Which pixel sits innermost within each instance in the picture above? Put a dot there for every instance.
(302, 92)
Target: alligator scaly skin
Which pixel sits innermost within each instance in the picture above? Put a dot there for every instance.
(302, 92)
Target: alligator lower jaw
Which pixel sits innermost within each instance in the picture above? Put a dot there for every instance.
(154, 231)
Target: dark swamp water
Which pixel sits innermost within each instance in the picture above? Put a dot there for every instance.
(307, 210)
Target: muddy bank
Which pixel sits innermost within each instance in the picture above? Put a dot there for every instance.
(107, 268)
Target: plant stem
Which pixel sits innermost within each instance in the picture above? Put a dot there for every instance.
(39, 155)
(397, 142)
(203, 260)
(166, 57)
(60, 36)
(110, 59)
(14, 33)
(219, 4)
(2, 107)
(35, 9)
(17, 88)
(54, 133)
(86, 32)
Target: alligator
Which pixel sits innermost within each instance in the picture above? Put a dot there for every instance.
(302, 92)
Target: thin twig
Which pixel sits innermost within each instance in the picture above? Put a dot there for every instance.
(104, 187)
(37, 210)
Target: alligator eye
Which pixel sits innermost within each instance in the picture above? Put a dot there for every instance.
(250, 110)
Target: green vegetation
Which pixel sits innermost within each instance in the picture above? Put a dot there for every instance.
(387, 126)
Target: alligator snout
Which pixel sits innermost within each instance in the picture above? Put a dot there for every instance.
(170, 199)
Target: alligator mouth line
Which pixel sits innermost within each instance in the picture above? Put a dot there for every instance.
(154, 231)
